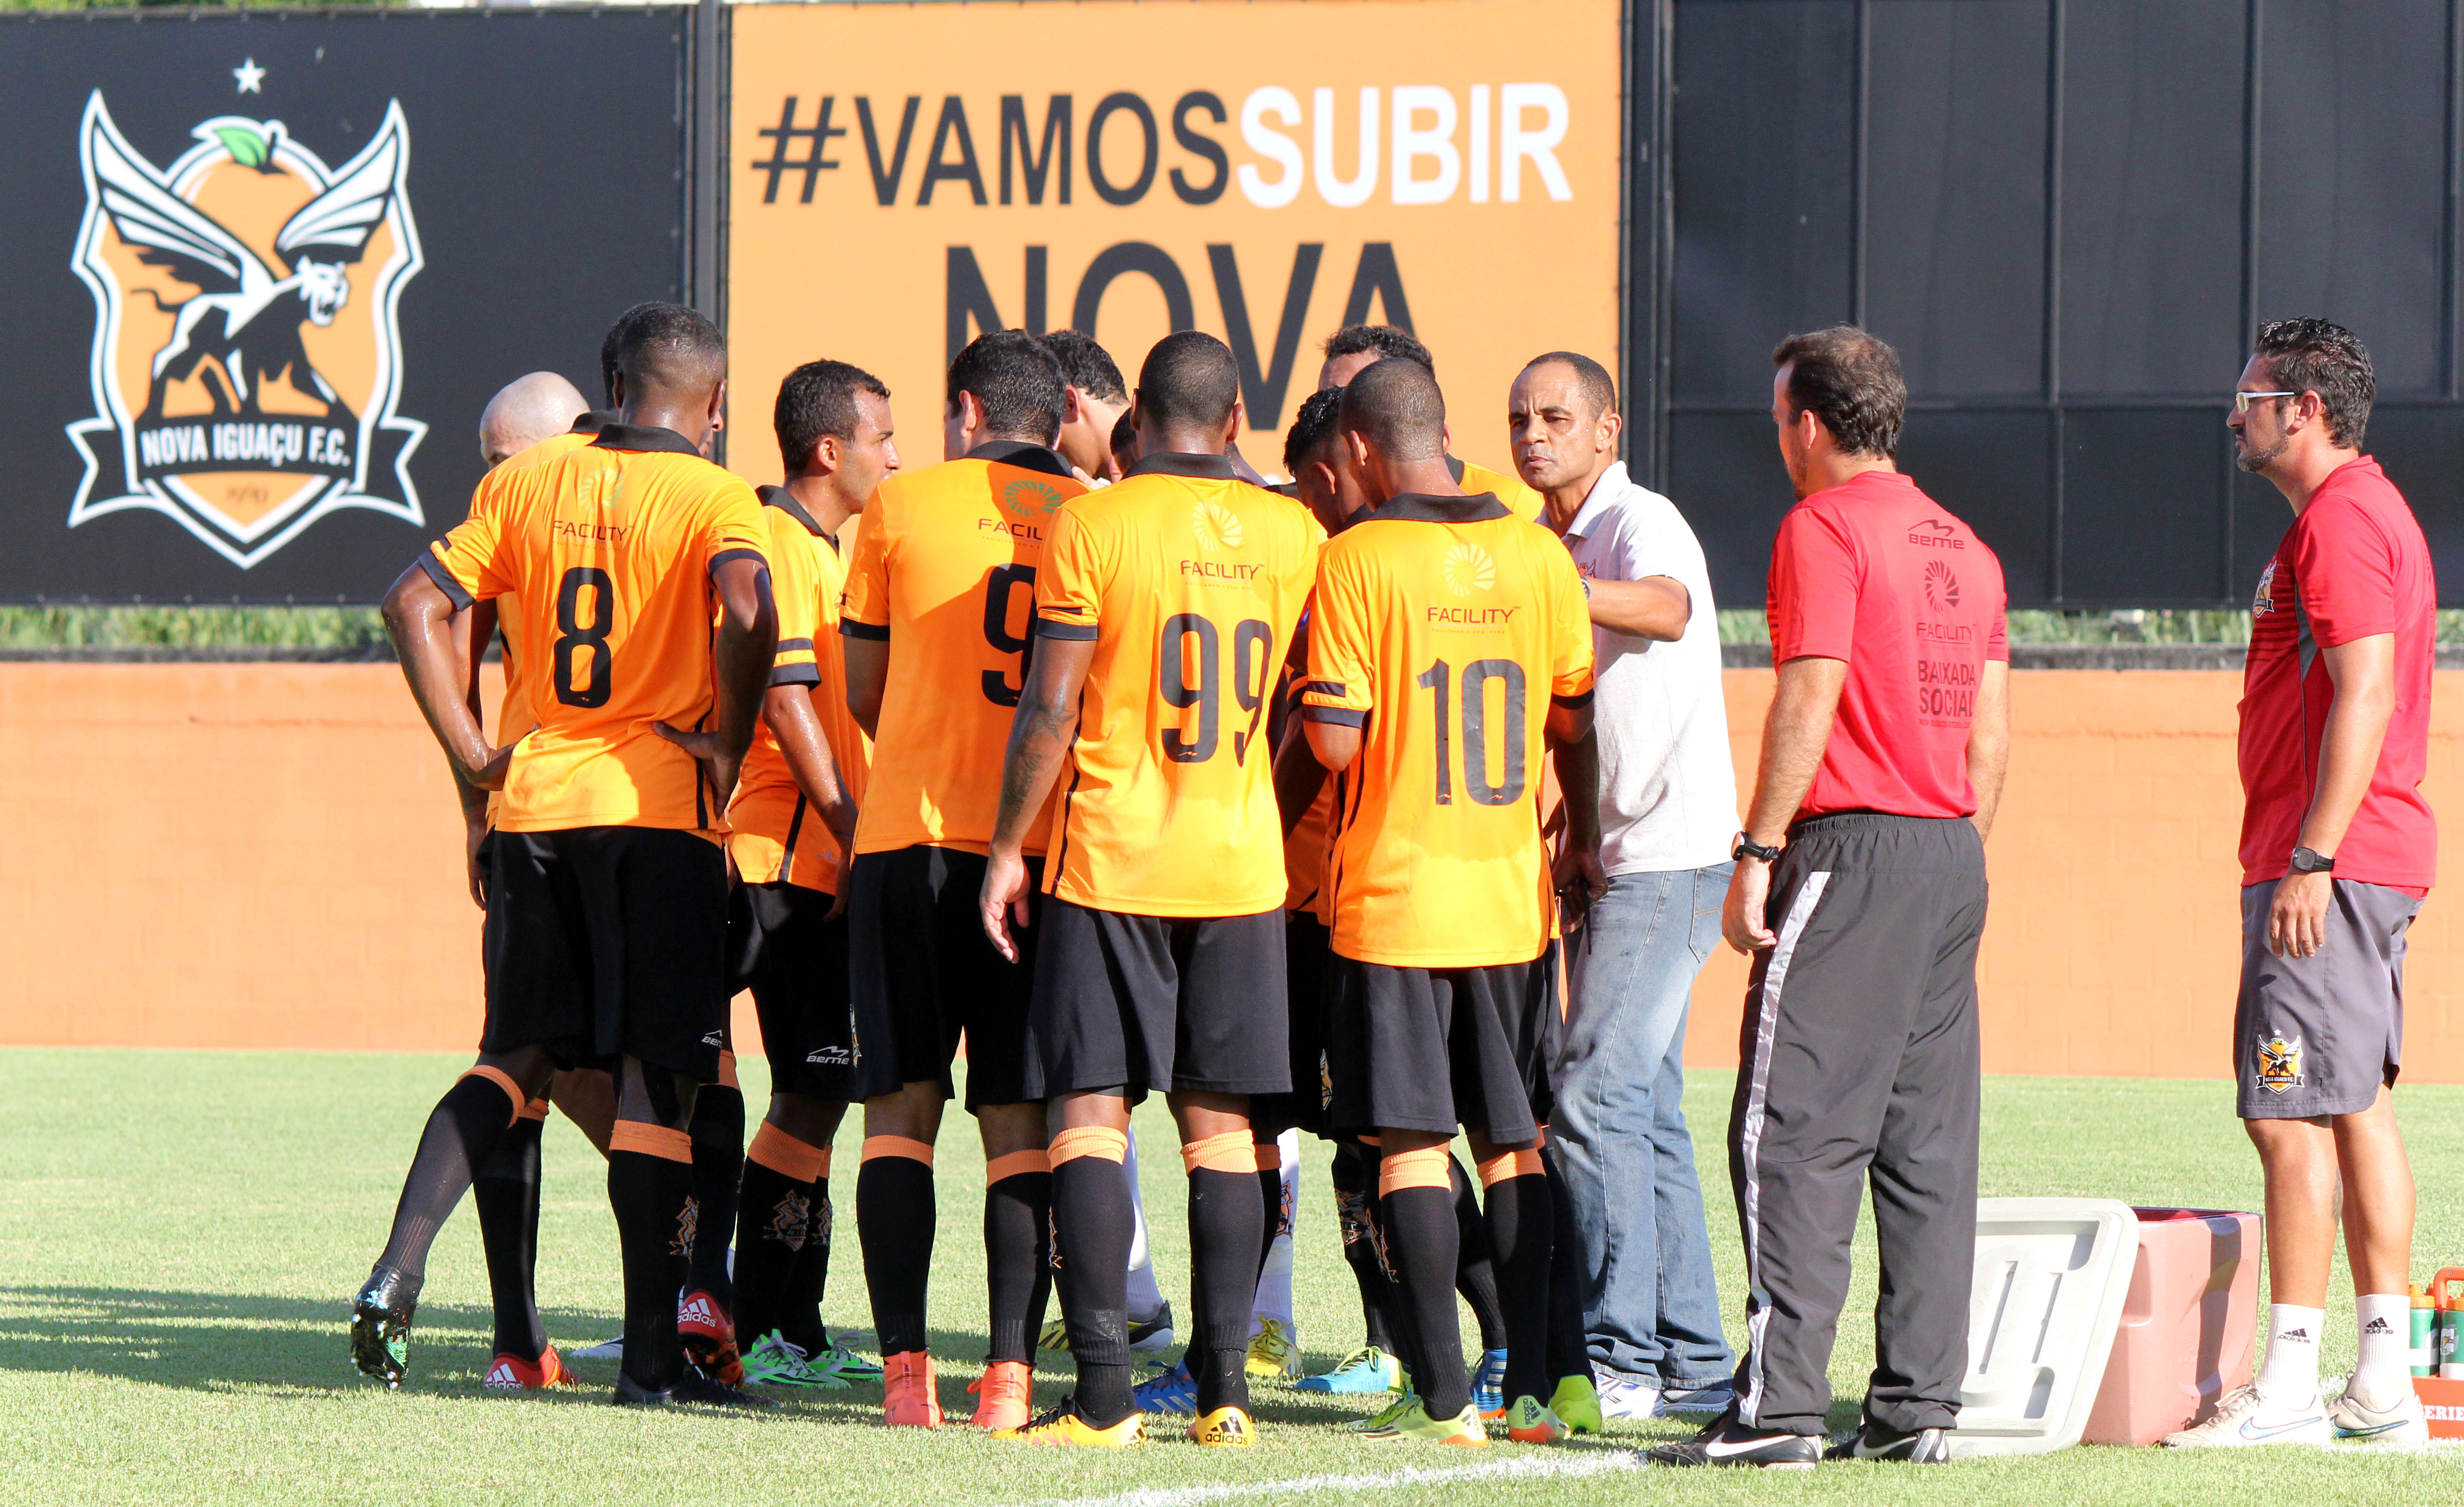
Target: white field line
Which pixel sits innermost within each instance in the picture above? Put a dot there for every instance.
(1528, 1469)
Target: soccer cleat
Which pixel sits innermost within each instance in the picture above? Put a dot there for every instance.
(843, 1364)
(2399, 1422)
(1874, 1442)
(1055, 1336)
(1172, 1391)
(1226, 1428)
(1003, 1396)
(777, 1362)
(1712, 1397)
(2246, 1418)
(609, 1349)
(908, 1399)
(1413, 1422)
(511, 1373)
(1147, 1336)
(1274, 1351)
(1528, 1422)
(1061, 1425)
(1488, 1383)
(1576, 1404)
(1624, 1395)
(381, 1325)
(695, 1388)
(709, 1337)
(1725, 1441)
(1366, 1369)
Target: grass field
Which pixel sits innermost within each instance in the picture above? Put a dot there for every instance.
(181, 1233)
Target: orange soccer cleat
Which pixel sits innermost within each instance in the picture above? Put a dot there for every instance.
(511, 1373)
(908, 1399)
(1004, 1395)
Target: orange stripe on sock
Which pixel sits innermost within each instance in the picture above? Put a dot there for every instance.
(1016, 1164)
(1270, 1157)
(649, 1140)
(1511, 1163)
(908, 1146)
(536, 1109)
(504, 1080)
(1102, 1142)
(727, 1071)
(1429, 1167)
(1228, 1152)
(783, 1155)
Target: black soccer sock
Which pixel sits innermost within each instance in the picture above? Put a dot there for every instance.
(462, 1131)
(1224, 1214)
(895, 1223)
(507, 1194)
(1422, 1236)
(1355, 1191)
(1018, 1223)
(718, 1165)
(1521, 1227)
(799, 1314)
(776, 1219)
(1568, 1346)
(1270, 1198)
(1090, 1219)
(650, 1185)
(1476, 1268)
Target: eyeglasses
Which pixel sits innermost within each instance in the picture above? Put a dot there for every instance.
(2243, 400)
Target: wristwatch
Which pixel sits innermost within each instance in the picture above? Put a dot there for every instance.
(1747, 848)
(2307, 862)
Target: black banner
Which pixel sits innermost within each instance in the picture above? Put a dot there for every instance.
(265, 269)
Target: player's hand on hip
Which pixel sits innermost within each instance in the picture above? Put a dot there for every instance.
(1741, 915)
(1004, 898)
(490, 775)
(2297, 918)
(715, 765)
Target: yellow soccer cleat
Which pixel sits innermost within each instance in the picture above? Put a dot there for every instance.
(1061, 1425)
(1224, 1429)
(1576, 1404)
(1528, 1422)
(1462, 1431)
(1274, 1352)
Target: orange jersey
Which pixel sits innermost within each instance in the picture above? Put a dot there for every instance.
(773, 833)
(513, 712)
(607, 551)
(1190, 582)
(1505, 486)
(945, 570)
(1444, 628)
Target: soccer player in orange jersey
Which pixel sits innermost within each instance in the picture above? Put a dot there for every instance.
(1166, 604)
(1356, 347)
(608, 890)
(939, 604)
(793, 825)
(1448, 637)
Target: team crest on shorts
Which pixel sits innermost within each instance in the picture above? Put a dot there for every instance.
(2279, 1064)
(246, 355)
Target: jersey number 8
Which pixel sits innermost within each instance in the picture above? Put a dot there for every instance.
(576, 635)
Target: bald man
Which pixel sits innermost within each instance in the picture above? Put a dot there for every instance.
(525, 411)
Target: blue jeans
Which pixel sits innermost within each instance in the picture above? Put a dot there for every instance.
(1650, 1306)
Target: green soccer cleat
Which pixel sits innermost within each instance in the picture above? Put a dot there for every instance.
(774, 1362)
(381, 1325)
(843, 1364)
(1395, 1407)
(1274, 1352)
(1576, 1404)
(1366, 1369)
(1413, 1422)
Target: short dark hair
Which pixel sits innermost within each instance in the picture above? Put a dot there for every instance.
(819, 398)
(608, 346)
(1086, 365)
(1123, 444)
(1016, 380)
(1312, 427)
(669, 345)
(2310, 354)
(1189, 378)
(1591, 379)
(1850, 381)
(1395, 404)
(1386, 340)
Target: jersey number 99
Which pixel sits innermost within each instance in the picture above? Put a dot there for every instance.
(1173, 684)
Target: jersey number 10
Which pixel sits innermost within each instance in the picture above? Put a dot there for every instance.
(1437, 679)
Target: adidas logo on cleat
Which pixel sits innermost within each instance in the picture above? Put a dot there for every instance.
(503, 1375)
(698, 1310)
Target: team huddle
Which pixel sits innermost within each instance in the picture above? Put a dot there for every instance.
(1084, 748)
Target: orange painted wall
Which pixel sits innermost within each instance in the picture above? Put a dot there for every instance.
(267, 856)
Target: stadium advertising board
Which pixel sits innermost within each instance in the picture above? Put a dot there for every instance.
(904, 176)
(265, 271)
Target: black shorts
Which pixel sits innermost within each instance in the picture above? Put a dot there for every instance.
(780, 946)
(603, 942)
(1306, 959)
(923, 972)
(1149, 1003)
(1433, 1048)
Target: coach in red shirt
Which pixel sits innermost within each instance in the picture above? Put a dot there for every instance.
(2338, 849)
(1881, 761)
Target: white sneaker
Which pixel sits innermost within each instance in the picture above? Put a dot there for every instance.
(1622, 1396)
(603, 1350)
(2399, 1422)
(2246, 1418)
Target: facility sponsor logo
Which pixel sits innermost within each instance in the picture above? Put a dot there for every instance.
(2279, 1064)
(246, 355)
(1467, 568)
(1941, 586)
(1029, 502)
(1217, 527)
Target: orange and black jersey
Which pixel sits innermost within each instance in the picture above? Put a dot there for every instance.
(775, 835)
(1189, 581)
(607, 551)
(944, 569)
(1444, 628)
(1505, 486)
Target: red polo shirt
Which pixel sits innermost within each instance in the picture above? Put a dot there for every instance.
(2353, 564)
(1875, 573)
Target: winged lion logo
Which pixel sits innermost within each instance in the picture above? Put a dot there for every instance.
(246, 355)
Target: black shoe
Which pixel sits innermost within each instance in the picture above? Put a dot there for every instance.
(1160, 1325)
(381, 1325)
(1723, 1441)
(694, 1389)
(1874, 1442)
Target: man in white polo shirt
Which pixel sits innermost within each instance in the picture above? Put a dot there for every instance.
(1650, 857)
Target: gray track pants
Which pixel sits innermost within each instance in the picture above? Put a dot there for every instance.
(1859, 1062)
